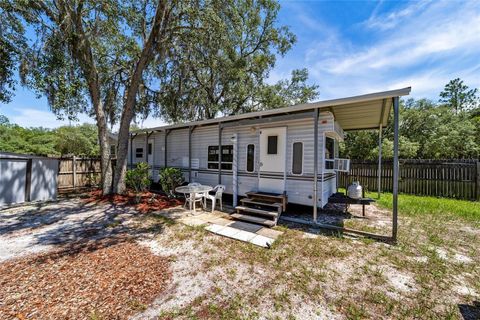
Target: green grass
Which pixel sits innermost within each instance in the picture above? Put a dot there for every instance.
(412, 205)
(419, 205)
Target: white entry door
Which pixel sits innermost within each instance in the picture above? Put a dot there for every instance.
(272, 159)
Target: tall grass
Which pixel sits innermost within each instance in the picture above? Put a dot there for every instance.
(419, 205)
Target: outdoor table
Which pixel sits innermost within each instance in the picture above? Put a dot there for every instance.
(193, 190)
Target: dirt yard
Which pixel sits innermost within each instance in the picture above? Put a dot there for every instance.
(173, 271)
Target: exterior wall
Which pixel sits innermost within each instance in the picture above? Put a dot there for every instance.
(298, 187)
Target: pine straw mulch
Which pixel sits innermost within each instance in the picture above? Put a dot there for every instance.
(102, 280)
(149, 201)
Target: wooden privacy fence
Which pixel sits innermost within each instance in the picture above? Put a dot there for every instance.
(76, 173)
(439, 178)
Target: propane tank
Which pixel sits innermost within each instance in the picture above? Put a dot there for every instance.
(354, 190)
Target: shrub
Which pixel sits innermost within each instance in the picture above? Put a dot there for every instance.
(169, 179)
(137, 179)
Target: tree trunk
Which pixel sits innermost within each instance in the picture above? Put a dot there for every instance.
(105, 160)
(122, 154)
(146, 56)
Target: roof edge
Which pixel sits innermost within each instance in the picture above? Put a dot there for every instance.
(300, 107)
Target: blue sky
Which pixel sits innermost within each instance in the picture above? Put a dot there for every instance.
(354, 47)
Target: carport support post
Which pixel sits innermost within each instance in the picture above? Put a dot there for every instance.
(315, 164)
(235, 169)
(379, 182)
(220, 153)
(165, 151)
(395, 168)
(190, 130)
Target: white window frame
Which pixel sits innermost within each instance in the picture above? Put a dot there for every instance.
(303, 158)
(218, 162)
(325, 136)
(254, 157)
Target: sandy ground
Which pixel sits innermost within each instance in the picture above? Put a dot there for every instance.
(307, 275)
(38, 228)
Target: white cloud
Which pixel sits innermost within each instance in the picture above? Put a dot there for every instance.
(423, 45)
(151, 122)
(392, 19)
(29, 117)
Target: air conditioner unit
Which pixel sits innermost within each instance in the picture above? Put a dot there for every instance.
(342, 165)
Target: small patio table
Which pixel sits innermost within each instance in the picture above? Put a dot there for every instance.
(193, 190)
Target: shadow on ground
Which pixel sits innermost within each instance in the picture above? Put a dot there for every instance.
(72, 225)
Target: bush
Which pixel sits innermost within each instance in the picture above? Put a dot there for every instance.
(169, 179)
(137, 179)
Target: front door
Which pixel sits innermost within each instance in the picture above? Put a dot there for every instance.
(272, 159)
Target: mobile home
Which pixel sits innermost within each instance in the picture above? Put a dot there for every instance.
(291, 151)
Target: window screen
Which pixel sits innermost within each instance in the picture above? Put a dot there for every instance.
(250, 158)
(139, 152)
(329, 148)
(272, 144)
(329, 153)
(214, 159)
(297, 162)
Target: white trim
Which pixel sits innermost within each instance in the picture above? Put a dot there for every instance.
(325, 152)
(303, 158)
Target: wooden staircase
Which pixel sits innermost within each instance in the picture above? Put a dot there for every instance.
(261, 208)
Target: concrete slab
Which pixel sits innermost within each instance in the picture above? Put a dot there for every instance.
(262, 241)
(244, 236)
(228, 232)
(269, 233)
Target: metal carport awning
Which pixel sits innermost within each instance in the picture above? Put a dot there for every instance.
(363, 115)
(364, 112)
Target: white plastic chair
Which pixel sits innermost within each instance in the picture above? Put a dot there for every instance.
(198, 196)
(219, 189)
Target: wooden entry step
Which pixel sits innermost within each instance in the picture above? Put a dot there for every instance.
(261, 208)
(272, 214)
(257, 220)
(250, 202)
(268, 197)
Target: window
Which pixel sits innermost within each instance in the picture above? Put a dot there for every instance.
(139, 153)
(297, 158)
(250, 158)
(272, 144)
(227, 157)
(150, 148)
(112, 150)
(329, 153)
